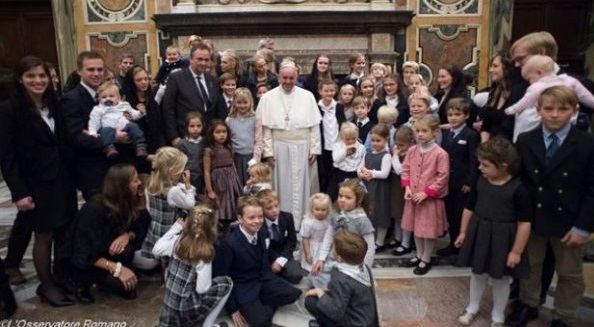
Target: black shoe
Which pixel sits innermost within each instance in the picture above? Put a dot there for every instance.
(380, 248)
(83, 295)
(422, 270)
(559, 323)
(521, 316)
(412, 262)
(401, 250)
(393, 244)
(66, 284)
(55, 299)
(447, 251)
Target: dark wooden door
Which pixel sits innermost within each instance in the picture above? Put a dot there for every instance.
(567, 20)
(26, 28)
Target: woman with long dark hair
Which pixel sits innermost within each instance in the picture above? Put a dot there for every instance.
(451, 83)
(33, 160)
(321, 70)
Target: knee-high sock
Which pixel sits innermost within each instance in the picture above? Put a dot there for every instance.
(406, 238)
(381, 236)
(428, 245)
(141, 262)
(501, 289)
(214, 314)
(478, 284)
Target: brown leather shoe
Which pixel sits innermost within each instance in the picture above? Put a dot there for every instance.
(15, 277)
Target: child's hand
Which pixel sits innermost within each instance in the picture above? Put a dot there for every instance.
(317, 267)
(309, 259)
(181, 222)
(460, 240)
(141, 107)
(509, 112)
(249, 182)
(419, 197)
(466, 189)
(396, 151)
(315, 292)
(186, 179)
(211, 195)
(350, 149)
(513, 259)
(238, 319)
(408, 195)
(276, 268)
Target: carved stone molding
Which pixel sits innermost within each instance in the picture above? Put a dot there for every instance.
(284, 22)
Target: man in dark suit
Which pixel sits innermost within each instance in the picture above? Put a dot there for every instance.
(191, 89)
(243, 256)
(76, 105)
(460, 142)
(558, 170)
(280, 229)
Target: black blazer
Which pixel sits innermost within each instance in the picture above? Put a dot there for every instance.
(91, 163)
(245, 263)
(221, 109)
(563, 192)
(402, 107)
(288, 238)
(182, 96)
(340, 118)
(363, 130)
(462, 154)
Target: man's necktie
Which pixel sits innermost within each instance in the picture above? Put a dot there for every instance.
(552, 148)
(203, 92)
(254, 241)
(275, 232)
(359, 124)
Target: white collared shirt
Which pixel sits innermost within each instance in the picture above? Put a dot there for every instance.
(248, 236)
(330, 124)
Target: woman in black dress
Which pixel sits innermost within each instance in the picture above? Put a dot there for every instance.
(452, 84)
(33, 160)
(320, 70)
(504, 78)
(105, 234)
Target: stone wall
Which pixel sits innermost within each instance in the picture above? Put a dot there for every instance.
(442, 31)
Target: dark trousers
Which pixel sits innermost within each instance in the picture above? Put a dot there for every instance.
(325, 169)
(292, 272)
(311, 304)
(275, 292)
(135, 134)
(454, 203)
(338, 176)
(18, 241)
(8, 304)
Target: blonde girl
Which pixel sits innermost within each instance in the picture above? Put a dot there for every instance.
(418, 104)
(424, 175)
(346, 95)
(347, 156)
(169, 189)
(377, 72)
(260, 179)
(313, 228)
(246, 133)
(353, 207)
(192, 296)
(366, 89)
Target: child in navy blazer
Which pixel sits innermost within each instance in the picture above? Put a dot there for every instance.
(280, 230)
(460, 142)
(243, 256)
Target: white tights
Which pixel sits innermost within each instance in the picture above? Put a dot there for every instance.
(380, 239)
(424, 248)
(144, 263)
(500, 288)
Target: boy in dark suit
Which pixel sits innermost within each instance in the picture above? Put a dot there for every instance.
(243, 256)
(228, 84)
(558, 170)
(361, 119)
(350, 298)
(280, 230)
(460, 142)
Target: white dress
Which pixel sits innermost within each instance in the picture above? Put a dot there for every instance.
(314, 229)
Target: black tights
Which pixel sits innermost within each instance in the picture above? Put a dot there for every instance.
(42, 257)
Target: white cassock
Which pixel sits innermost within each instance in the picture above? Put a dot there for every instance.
(291, 132)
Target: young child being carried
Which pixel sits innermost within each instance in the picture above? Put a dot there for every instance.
(495, 229)
(350, 297)
(313, 228)
(110, 116)
(539, 70)
(192, 296)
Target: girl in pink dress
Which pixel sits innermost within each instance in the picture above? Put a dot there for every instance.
(424, 175)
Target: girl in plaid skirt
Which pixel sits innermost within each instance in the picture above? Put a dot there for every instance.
(192, 297)
(169, 190)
